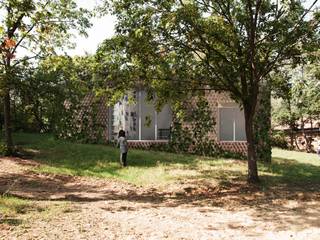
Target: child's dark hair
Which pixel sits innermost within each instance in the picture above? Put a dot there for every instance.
(122, 133)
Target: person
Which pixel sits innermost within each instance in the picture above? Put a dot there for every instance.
(123, 144)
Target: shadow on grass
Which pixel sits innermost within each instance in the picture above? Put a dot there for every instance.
(285, 180)
(103, 161)
(264, 204)
(11, 221)
(292, 173)
(93, 160)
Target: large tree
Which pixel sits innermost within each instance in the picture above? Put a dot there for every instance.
(42, 91)
(224, 45)
(299, 92)
(32, 29)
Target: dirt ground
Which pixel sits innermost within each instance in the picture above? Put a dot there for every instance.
(66, 207)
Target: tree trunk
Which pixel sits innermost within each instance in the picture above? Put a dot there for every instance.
(291, 137)
(262, 124)
(7, 123)
(252, 156)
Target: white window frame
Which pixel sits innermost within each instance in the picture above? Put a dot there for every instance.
(227, 106)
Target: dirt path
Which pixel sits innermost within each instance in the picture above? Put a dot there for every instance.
(87, 208)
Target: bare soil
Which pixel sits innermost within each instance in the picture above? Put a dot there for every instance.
(67, 207)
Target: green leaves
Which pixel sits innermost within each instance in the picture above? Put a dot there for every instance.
(42, 26)
(299, 94)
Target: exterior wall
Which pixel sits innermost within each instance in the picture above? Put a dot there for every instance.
(102, 117)
(116, 118)
(145, 144)
(148, 115)
(215, 101)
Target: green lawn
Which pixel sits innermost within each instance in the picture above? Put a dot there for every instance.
(291, 169)
(159, 168)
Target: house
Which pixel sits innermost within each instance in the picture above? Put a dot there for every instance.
(145, 126)
(140, 120)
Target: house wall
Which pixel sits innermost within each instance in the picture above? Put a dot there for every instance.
(147, 114)
(102, 116)
(217, 100)
(115, 118)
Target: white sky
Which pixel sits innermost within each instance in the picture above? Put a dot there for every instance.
(102, 29)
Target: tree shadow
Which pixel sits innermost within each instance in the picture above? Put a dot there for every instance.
(94, 158)
(11, 221)
(289, 191)
(299, 207)
(295, 175)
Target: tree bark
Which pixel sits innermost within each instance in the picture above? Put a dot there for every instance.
(252, 157)
(7, 123)
(262, 124)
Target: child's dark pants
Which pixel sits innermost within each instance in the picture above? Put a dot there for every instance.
(123, 159)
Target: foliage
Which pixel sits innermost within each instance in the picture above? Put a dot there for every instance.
(3, 149)
(299, 97)
(278, 139)
(114, 77)
(262, 125)
(38, 28)
(230, 46)
(191, 128)
(58, 96)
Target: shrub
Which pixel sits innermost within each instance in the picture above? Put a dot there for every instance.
(3, 149)
(278, 139)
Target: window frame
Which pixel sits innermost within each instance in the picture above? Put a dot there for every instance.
(227, 106)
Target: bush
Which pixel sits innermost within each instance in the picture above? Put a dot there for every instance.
(3, 149)
(278, 139)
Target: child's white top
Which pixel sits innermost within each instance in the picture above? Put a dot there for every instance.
(122, 142)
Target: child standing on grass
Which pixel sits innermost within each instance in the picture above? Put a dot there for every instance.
(123, 144)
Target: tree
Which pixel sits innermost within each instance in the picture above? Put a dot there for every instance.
(299, 92)
(224, 45)
(38, 28)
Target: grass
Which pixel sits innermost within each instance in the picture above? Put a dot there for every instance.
(159, 168)
(12, 205)
(18, 212)
(293, 169)
(145, 167)
(11, 208)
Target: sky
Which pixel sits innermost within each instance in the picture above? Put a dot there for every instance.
(102, 29)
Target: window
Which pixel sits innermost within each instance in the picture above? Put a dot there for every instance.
(134, 121)
(231, 124)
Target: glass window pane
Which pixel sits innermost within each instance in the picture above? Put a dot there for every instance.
(240, 126)
(226, 124)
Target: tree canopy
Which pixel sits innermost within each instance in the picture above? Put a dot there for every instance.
(33, 29)
(299, 92)
(231, 46)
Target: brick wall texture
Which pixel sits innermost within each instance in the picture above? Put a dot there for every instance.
(99, 107)
(214, 99)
